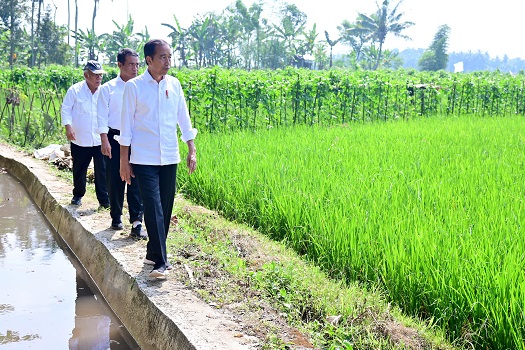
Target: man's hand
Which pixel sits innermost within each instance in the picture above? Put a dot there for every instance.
(105, 146)
(126, 171)
(191, 160)
(70, 134)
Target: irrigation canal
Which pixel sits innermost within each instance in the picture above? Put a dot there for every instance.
(47, 300)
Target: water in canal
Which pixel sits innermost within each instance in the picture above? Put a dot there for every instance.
(45, 297)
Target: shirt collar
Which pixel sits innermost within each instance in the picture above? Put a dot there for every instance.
(148, 76)
(86, 88)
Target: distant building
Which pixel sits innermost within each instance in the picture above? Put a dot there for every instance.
(303, 61)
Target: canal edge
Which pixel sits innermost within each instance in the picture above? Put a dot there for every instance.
(147, 323)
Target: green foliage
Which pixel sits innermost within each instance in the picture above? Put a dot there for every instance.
(436, 57)
(375, 179)
(123, 37)
(51, 48)
(226, 100)
(431, 209)
(31, 101)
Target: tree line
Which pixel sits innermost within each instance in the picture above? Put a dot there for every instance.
(238, 37)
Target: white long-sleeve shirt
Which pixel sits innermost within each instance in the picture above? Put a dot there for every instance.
(151, 112)
(79, 109)
(109, 105)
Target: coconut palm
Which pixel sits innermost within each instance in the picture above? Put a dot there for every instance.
(355, 38)
(379, 24)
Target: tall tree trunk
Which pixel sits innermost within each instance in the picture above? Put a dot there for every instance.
(76, 33)
(379, 55)
(91, 48)
(94, 15)
(12, 35)
(39, 15)
(32, 64)
(38, 25)
(68, 21)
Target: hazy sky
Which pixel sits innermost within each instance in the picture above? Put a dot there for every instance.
(475, 25)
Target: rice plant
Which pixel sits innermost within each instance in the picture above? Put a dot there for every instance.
(430, 209)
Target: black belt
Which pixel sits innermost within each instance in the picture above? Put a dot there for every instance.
(114, 131)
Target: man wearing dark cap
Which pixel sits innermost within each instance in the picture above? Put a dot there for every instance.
(79, 116)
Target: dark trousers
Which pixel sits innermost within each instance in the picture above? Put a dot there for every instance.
(157, 187)
(81, 158)
(116, 187)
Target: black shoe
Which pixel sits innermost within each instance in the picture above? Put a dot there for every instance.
(76, 200)
(117, 226)
(137, 233)
(151, 262)
(104, 206)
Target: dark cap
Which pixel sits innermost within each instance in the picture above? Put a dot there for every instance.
(94, 67)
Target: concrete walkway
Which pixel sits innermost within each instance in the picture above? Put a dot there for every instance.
(158, 314)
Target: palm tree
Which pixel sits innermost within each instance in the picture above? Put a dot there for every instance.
(330, 43)
(144, 37)
(90, 43)
(291, 25)
(204, 40)
(310, 36)
(247, 21)
(356, 39)
(179, 40)
(381, 23)
(389, 59)
(123, 36)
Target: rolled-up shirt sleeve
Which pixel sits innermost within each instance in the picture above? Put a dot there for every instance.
(189, 135)
(103, 110)
(67, 107)
(129, 102)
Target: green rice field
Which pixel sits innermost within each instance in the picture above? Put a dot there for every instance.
(430, 209)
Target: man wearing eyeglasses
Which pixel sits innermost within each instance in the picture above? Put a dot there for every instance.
(79, 117)
(109, 109)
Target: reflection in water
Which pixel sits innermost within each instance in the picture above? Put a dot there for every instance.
(92, 326)
(44, 302)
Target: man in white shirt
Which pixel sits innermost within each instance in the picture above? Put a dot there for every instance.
(79, 116)
(153, 105)
(109, 113)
